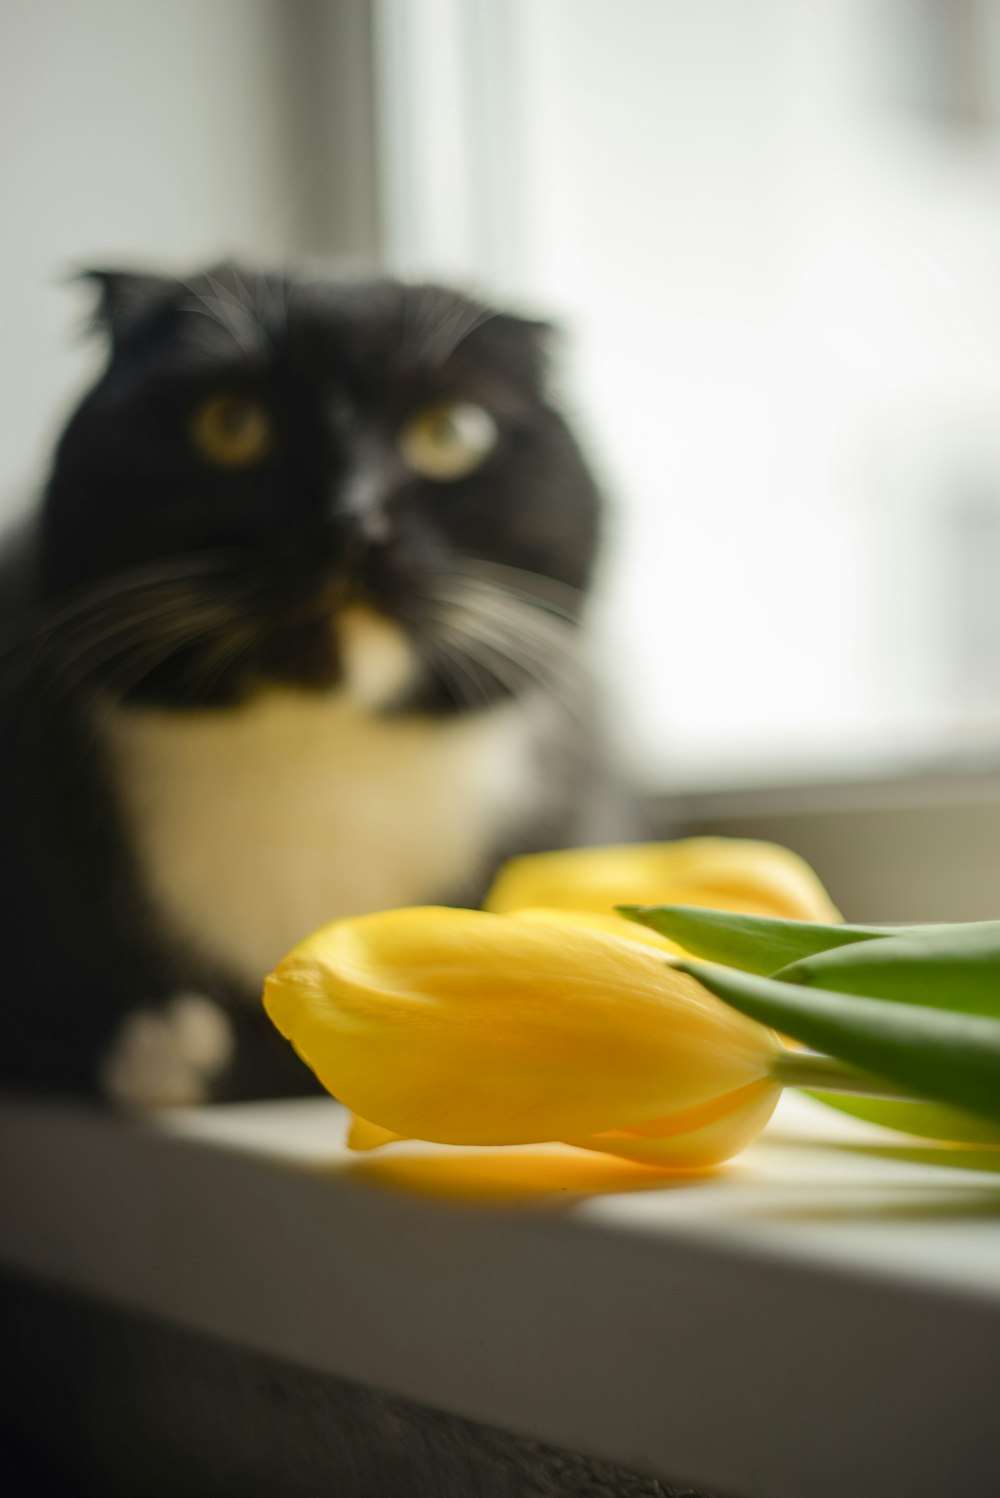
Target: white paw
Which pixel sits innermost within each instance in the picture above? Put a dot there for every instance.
(169, 1057)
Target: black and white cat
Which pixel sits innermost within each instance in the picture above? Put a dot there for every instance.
(295, 634)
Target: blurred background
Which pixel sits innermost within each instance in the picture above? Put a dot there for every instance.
(771, 235)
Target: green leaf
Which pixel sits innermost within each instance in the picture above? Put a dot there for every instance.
(755, 943)
(928, 1120)
(945, 967)
(944, 1057)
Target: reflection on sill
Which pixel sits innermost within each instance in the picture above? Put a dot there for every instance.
(552, 1175)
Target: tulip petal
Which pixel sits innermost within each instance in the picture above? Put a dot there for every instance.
(720, 873)
(698, 1139)
(363, 1135)
(463, 1027)
(597, 920)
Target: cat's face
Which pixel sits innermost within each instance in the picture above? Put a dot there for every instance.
(265, 460)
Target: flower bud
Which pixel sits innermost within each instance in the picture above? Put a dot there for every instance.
(722, 873)
(465, 1027)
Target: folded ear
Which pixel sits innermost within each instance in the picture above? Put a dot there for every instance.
(522, 346)
(126, 299)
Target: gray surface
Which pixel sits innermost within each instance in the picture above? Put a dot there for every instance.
(822, 1319)
(905, 847)
(103, 1403)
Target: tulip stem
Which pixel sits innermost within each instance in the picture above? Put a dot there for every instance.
(817, 1073)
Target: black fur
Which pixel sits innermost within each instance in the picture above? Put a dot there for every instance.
(150, 576)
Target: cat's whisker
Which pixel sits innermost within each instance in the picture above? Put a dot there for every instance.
(418, 317)
(223, 654)
(87, 629)
(449, 337)
(549, 633)
(527, 626)
(271, 308)
(543, 649)
(454, 664)
(242, 292)
(66, 661)
(217, 309)
(203, 305)
(77, 662)
(143, 657)
(47, 699)
(537, 666)
(148, 653)
(244, 303)
(499, 603)
(495, 662)
(446, 660)
(486, 643)
(246, 344)
(533, 587)
(43, 621)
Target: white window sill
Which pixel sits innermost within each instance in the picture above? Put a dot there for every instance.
(821, 1317)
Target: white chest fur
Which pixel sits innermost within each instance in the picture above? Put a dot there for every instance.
(256, 825)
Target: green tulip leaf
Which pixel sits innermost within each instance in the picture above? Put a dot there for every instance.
(934, 1054)
(754, 943)
(945, 967)
(928, 1120)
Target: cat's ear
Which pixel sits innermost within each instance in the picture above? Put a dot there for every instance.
(523, 345)
(125, 299)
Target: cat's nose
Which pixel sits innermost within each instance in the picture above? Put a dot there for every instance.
(365, 494)
(340, 549)
(348, 534)
(358, 526)
(375, 527)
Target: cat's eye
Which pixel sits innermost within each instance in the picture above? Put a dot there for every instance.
(232, 431)
(448, 441)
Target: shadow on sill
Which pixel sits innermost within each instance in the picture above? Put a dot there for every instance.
(100, 1403)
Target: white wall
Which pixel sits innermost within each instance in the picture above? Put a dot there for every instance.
(129, 131)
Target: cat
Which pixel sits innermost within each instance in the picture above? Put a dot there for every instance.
(295, 633)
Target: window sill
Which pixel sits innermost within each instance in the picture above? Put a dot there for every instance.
(922, 846)
(764, 1331)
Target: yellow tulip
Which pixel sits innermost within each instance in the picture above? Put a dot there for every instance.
(595, 920)
(722, 873)
(467, 1027)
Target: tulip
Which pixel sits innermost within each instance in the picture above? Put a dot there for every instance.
(610, 923)
(471, 1028)
(719, 873)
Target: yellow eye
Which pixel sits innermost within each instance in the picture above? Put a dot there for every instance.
(232, 431)
(447, 442)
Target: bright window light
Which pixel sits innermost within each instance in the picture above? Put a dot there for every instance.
(773, 233)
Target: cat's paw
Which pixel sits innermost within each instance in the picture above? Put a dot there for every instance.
(168, 1057)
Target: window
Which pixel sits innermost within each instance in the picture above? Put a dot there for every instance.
(773, 233)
